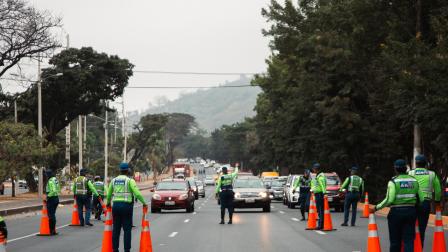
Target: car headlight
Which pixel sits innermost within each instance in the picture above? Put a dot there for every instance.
(156, 196)
(183, 196)
(237, 195)
(263, 194)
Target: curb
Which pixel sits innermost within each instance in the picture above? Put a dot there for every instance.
(37, 207)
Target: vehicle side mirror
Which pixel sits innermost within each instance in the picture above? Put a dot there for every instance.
(151, 190)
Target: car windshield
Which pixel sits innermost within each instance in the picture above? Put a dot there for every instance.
(209, 177)
(198, 183)
(332, 180)
(248, 183)
(165, 186)
(278, 183)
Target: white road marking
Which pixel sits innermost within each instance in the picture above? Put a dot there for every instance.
(320, 232)
(273, 207)
(187, 220)
(34, 234)
(194, 212)
(199, 207)
(172, 234)
(294, 219)
(281, 212)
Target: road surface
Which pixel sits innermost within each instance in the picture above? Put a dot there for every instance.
(252, 230)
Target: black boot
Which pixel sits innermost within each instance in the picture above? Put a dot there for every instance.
(223, 212)
(230, 216)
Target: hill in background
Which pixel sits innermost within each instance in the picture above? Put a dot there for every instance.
(212, 107)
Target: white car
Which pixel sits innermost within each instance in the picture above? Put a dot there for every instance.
(292, 199)
(209, 180)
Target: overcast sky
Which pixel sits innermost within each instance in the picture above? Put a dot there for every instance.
(168, 35)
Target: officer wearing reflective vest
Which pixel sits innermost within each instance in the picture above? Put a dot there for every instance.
(403, 195)
(319, 188)
(3, 229)
(100, 188)
(121, 191)
(429, 183)
(82, 187)
(304, 185)
(354, 186)
(52, 192)
(224, 188)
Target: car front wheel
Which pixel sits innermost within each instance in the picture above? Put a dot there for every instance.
(267, 209)
(155, 210)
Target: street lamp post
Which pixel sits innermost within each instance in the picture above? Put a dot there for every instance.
(106, 157)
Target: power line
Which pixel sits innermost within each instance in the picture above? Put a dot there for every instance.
(180, 87)
(190, 73)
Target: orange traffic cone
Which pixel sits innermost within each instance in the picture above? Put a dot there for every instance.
(75, 216)
(44, 222)
(365, 213)
(438, 244)
(145, 236)
(373, 241)
(312, 214)
(107, 235)
(2, 243)
(328, 225)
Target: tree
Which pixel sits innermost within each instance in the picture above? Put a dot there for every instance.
(24, 32)
(20, 150)
(177, 127)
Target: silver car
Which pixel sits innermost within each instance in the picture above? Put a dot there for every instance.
(250, 192)
(201, 189)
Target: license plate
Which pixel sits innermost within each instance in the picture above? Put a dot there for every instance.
(170, 203)
(250, 200)
(330, 199)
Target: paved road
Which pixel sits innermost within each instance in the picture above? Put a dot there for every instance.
(279, 230)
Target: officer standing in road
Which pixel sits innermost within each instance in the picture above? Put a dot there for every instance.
(429, 182)
(303, 183)
(354, 185)
(52, 199)
(319, 188)
(121, 191)
(224, 188)
(403, 195)
(101, 189)
(81, 188)
(3, 229)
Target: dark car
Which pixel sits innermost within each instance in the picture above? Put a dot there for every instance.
(250, 192)
(194, 186)
(171, 195)
(276, 189)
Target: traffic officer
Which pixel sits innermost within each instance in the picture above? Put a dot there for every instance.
(403, 195)
(354, 185)
(52, 199)
(101, 189)
(82, 187)
(303, 183)
(3, 229)
(121, 191)
(224, 188)
(429, 182)
(319, 188)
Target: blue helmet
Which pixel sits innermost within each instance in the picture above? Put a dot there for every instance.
(316, 165)
(124, 166)
(354, 168)
(400, 163)
(420, 158)
(306, 172)
(83, 172)
(49, 173)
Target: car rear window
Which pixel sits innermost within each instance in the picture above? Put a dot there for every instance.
(168, 186)
(248, 183)
(332, 180)
(278, 183)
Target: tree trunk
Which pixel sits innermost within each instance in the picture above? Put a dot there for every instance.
(32, 185)
(13, 187)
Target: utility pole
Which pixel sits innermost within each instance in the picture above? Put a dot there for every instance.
(67, 130)
(115, 128)
(15, 110)
(85, 134)
(124, 132)
(106, 161)
(39, 124)
(79, 143)
(417, 130)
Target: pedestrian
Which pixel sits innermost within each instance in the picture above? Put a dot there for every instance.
(319, 188)
(429, 183)
(224, 188)
(303, 183)
(121, 191)
(354, 187)
(101, 189)
(52, 192)
(3, 229)
(403, 195)
(82, 189)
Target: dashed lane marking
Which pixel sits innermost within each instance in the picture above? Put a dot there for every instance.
(320, 232)
(172, 234)
(187, 220)
(294, 219)
(281, 212)
(34, 234)
(194, 213)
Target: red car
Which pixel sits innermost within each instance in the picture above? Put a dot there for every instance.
(172, 195)
(335, 198)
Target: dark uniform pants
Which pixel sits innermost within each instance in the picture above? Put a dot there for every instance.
(401, 222)
(320, 209)
(304, 199)
(423, 212)
(122, 218)
(97, 207)
(84, 201)
(351, 201)
(226, 199)
(52, 205)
